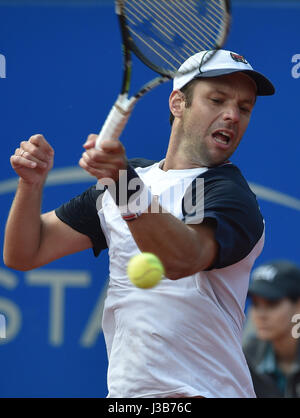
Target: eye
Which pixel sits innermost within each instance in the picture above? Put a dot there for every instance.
(245, 109)
(215, 100)
(274, 303)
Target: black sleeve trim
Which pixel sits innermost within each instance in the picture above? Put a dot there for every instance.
(141, 162)
(80, 213)
(229, 201)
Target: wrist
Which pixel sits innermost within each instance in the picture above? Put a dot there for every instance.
(132, 196)
(32, 186)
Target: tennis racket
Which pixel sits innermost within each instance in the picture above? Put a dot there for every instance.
(163, 34)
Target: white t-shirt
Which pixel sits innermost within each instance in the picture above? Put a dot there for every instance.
(183, 337)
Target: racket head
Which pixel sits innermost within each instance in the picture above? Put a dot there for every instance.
(165, 33)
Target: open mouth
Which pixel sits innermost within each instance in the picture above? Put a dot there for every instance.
(222, 137)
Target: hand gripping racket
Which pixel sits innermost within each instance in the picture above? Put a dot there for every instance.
(163, 34)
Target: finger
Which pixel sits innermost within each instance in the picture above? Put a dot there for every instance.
(36, 153)
(112, 146)
(99, 173)
(109, 167)
(91, 141)
(96, 157)
(39, 141)
(18, 161)
(103, 171)
(27, 156)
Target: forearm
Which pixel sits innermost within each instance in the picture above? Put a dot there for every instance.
(183, 249)
(24, 227)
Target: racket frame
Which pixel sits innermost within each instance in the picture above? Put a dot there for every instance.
(130, 45)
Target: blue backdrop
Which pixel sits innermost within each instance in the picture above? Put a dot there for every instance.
(60, 72)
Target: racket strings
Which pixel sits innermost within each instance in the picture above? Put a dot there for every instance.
(162, 25)
(164, 22)
(167, 32)
(188, 15)
(154, 46)
(210, 25)
(164, 17)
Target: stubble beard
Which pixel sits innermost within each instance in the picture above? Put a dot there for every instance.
(200, 155)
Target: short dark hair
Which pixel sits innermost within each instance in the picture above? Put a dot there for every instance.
(188, 91)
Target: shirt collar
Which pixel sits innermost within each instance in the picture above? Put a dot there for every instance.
(268, 363)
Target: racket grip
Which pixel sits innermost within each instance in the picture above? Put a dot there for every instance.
(115, 122)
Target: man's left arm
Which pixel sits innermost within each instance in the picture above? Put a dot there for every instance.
(183, 249)
(231, 227)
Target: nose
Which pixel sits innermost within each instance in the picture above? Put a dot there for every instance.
(231, 113)
(259, 313)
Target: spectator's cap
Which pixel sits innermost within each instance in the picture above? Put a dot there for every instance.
(223, 62)
(276, 280)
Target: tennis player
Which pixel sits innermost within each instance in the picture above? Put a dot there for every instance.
(183, 337)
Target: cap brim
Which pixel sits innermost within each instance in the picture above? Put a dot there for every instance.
(265, 290)
(264, 86)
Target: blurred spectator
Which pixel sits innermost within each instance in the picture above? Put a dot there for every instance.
(273, 352)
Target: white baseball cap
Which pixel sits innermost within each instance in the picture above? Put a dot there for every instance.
(223, 62)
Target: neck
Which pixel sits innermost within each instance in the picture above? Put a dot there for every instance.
(179, 162)
(178, 156)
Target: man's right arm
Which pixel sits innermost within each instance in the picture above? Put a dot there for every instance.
(32, 239)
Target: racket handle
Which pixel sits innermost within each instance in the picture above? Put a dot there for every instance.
(116, 120)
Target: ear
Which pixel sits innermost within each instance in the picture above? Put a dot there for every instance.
(177, 103)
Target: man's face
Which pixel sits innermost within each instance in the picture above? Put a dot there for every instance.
(214, 124)
(273, 319)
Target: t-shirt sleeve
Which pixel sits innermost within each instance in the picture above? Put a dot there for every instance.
(81, 214)
(141, 162)
(233, 207)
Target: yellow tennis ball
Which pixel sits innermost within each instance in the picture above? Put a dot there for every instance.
(145, 270)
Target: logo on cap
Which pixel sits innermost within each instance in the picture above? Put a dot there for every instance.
(265, 273)
(238, 58)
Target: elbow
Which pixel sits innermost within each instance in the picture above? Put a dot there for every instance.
(17, 267)
(15, 264)
(189, 265)
(199, 260)
(175, 275)
(179, 270)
